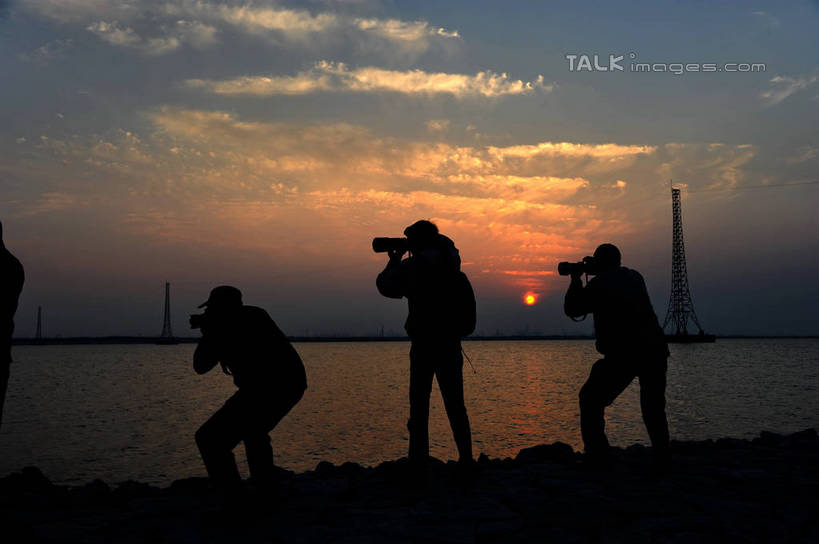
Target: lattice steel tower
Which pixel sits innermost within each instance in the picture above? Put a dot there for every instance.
(166, 325)
(39, 334)
(680, 306)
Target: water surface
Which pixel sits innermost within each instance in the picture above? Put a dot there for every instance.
(130, 411)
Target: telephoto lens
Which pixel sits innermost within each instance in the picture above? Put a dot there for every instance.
(382, 245)
(566, 269)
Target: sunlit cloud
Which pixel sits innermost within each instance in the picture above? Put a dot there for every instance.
(327, 76)
(133, 24)
(437, 125)
(194, 33)
(302, 25)
(252, 18)
(804, 154)
(768, 18)
(524, 188)
(705, 166)
(50, 202)
(612, 151)
(83, 11)
(48, 52)
(782, 87)
(514, 211)
(113, 34)
(511, 227)
(411, 34)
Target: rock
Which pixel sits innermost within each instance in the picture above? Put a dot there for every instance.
(807, 439)
(325, 469)
(731, 444)
(189, 486)
(547, 453)
(34, 479)
(769, 439)
(724, 490)
(95, 492)
(687, 447)
(30, 479)
(131, 489)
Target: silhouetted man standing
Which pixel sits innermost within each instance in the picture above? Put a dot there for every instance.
(441, 312)
(632, 343)
(11, 272)
(268, 372)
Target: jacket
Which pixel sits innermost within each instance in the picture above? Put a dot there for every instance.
(624, 320)
(430, 279)
(253, 349)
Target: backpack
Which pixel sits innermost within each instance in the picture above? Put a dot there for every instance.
(464, 302)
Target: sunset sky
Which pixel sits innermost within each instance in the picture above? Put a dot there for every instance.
(264, 144)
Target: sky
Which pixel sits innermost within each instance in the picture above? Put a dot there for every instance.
(264, 144)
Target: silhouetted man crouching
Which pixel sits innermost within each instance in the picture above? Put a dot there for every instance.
(268, 372)
(632, 343)
(441, 312)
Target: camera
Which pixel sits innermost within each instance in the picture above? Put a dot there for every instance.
(382, 245)
(197, 320)
(587, 266)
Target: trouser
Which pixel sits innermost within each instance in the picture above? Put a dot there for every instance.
(4, 383)
(5, 362)
(442, 359)
(608, 378)
(247, 418)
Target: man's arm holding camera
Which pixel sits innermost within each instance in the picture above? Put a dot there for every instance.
(578, 300)
(206, 355)
(391, 282)
(204, 358)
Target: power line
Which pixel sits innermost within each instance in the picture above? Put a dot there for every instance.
(742, 188)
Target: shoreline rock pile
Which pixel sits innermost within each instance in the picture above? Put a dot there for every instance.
(757, 490)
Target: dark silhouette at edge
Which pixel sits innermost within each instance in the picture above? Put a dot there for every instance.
(269, 375)
(441, 312)
(13, 277)
(629, 336)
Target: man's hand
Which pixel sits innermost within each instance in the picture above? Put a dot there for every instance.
(396, 254)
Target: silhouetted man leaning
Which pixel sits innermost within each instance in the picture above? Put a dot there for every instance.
(632, 343)
(269, 374)
(11, 272)
(441, 312)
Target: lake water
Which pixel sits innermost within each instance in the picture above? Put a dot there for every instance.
(130, 412)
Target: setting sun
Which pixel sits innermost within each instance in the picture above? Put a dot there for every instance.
(530, 299)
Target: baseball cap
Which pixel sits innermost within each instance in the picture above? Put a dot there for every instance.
(222, 296)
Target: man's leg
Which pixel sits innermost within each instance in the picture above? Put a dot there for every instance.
(608, 378)
(216, 439)
(4, 381)
(421, 372)
(652, 403)
(259, 454)
(257, 440)
(449, 371)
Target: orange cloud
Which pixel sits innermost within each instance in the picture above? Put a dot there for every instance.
(303, 192)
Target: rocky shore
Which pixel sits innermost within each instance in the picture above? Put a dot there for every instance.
(727, 490)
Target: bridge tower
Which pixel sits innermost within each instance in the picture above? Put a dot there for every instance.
(167, 332)
(39, 334)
